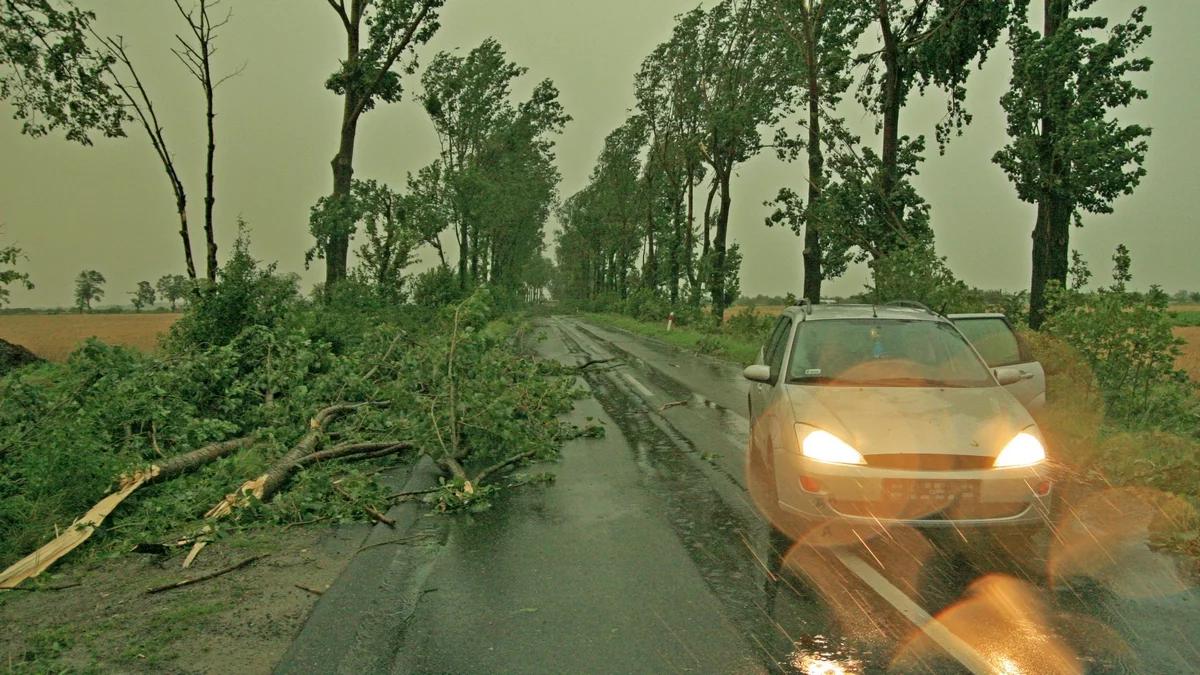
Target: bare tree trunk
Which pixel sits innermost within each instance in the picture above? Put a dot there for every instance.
(813, 274)
(1052, 232)
(718, 272)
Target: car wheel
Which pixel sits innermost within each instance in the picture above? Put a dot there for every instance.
(761, 483)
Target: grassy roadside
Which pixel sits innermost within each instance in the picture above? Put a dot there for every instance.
(740, 349)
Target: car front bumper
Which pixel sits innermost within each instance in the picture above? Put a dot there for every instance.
(881, 496)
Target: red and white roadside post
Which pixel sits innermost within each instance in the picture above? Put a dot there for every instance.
(670, 320)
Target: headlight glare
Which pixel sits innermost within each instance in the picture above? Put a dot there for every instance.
(1023, 450)
(825, 447)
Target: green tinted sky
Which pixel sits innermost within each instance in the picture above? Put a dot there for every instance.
(109, 207)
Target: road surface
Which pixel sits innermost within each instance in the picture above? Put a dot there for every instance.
(647, 554)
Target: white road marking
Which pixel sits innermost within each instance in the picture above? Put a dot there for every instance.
(936, 630)
(640, 387)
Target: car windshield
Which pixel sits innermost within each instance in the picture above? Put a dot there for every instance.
(884, 353)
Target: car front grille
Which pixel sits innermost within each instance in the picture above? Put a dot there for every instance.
(929, 462)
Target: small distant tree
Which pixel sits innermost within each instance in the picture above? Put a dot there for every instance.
(143, 296)
(172, 288)
(89, 286)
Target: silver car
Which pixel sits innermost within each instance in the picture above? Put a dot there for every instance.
(882, 415)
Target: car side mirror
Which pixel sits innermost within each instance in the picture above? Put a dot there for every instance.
(1008, 376)
(758, 373)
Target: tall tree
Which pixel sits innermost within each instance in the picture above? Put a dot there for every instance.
(740, 86)
(819, 37)
(89, 287)
(923, 43)
(368, 75)
(196, 55)
(1068, 154)
(495, 168)
(52, 75)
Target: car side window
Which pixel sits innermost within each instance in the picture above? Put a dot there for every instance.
(993, 339)
(778, 347)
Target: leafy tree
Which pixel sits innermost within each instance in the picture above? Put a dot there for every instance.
(1067, 152)
(173, 288)
(9, 257)
(922, 44)
(89, 286)
(496, 171)
(740, 86)
(143, 296)
(391, 240)
(819, 39)
(50, 73)
(371, 73)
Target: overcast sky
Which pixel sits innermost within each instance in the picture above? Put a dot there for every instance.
(109, 207)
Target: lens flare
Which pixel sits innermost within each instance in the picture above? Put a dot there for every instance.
(825, 447)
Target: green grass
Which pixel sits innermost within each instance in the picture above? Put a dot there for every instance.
(730, 347)
(1185, 318)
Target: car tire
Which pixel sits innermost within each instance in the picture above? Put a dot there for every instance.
(761, 483)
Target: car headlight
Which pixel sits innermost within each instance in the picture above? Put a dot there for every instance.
(1023, 450)
(825, 447)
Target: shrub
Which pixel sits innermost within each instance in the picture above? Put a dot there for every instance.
(246, 294)
(436, 287)
(1125, 338)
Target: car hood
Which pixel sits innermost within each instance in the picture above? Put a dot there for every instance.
(885, 420)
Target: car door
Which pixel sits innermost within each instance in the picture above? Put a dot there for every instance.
(994, 338)
(763, 395)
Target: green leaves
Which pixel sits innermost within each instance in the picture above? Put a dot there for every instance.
(9, 257)
(50, 74)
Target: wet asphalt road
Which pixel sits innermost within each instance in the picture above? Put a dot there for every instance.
(647, 554)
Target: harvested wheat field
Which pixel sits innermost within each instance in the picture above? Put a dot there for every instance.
(1190, 360)
(54, 336)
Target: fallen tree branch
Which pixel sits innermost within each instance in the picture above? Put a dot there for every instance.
(671, 404)
(379, 517)
(414, 493)
(310, 590)
(479, 478)
(68, 540)
(206, 577)
(266, 485)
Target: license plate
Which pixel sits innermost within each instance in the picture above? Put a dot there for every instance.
(932, 491)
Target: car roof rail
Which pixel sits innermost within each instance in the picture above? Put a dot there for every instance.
(806, 305)
(911, 304)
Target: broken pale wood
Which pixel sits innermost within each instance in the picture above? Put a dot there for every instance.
(40, 560)
(206, 577)
(64, 542)
(191, 556)
(672, 404)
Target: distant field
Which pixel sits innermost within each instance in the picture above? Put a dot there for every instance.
(1190, 361)
(54, 336)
